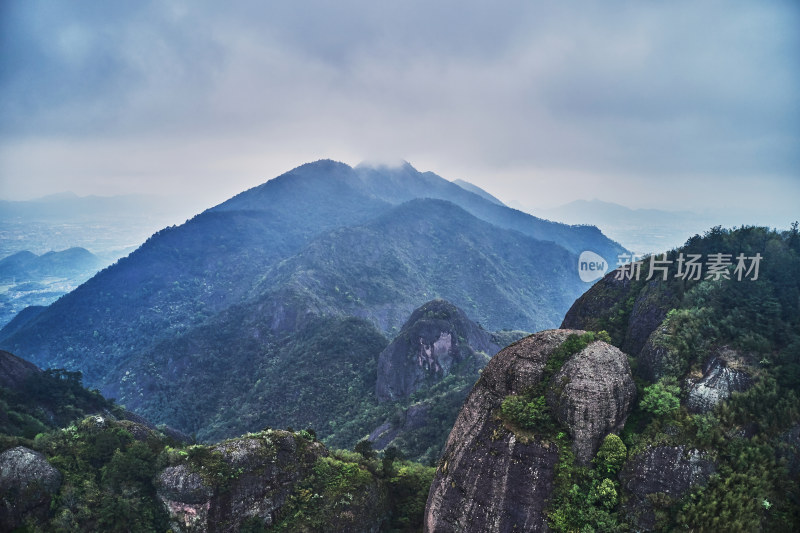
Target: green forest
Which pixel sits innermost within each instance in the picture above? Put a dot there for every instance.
(112, 469)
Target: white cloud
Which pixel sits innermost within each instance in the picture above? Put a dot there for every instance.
(532, 100)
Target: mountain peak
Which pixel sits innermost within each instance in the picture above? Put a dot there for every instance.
(325, 165)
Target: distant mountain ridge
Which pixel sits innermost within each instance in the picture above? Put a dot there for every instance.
(324, 240)
(26, 265)
(37, 280)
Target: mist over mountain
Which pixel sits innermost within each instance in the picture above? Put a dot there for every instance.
(108, 226)
(239, 284)
(68, 206)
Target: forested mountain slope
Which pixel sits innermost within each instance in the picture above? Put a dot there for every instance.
(221, 302)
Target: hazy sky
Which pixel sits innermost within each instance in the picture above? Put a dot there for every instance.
(649, 104)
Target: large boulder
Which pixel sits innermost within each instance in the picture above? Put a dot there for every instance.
(592, 395)
(487, 479)
(640, 306)
(490, 479)
(660, 476)
(596, 305)
(789, 449)
(27, 483)
(659, 357)
(416, 417)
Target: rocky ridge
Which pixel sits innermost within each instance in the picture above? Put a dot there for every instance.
(492, 479)
(436, 338)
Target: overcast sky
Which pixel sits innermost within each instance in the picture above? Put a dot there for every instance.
(649, 104)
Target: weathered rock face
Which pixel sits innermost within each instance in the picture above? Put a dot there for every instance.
(251, 482)
(435, 338)
(27, 482)
(649, 310)
(661, 474)
(658, 358)
(592, 395)
(490, 480)
(604, 300)
(140, 421)
(502, 485)
(723, 375)
(266, 470)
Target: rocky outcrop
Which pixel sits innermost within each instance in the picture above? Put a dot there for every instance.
(436, 338)
(487, 479)
(27, 482)
(660, 476)
(649, 310)
(172, 433)
(490, 479)
(789, 449)
(249, 480)
(609, 299)
(723, 374)
(659, 358)
(264, 472)
(592, 395)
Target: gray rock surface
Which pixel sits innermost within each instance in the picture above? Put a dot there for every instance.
(649, 310)
(599, 305)
(436, 337)
(790, 449)
(254, 477)
(27, 482)
(723, 375)
(658, 358)
(592, 395)
(266, 471)
(488, 479)
(663, 473)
